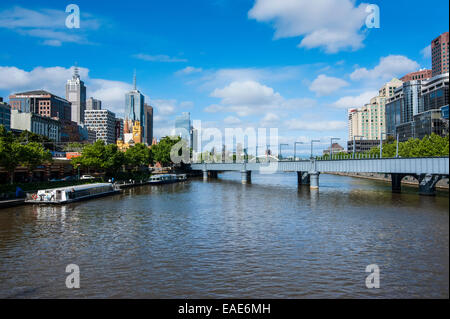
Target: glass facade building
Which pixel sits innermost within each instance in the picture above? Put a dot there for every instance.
(183, 127)
(5, 115)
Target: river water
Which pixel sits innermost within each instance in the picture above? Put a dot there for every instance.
(221, 239)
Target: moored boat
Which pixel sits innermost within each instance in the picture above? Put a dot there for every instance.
(166, 179)
(65, 195)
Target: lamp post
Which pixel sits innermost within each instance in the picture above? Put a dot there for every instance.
(312, 142)
(354, 143)
(381, 143)
(331, 146)
(295, 149)
(396, 148)
(279, 153)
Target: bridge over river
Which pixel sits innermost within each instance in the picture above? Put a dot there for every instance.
(427, 170)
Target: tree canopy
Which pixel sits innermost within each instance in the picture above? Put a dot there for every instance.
(15, 151)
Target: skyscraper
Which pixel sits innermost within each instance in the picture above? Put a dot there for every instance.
(148, 124)
(76, 94)
(439, 54)
(134, 107)
(93, 104)
(183, 127)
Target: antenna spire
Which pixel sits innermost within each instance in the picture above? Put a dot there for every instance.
(76, 73)
(134, 80)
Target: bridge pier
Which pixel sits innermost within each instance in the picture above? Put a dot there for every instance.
(427, 184)
(397, 182)
(205, 175)
(246, 177)
(303, 178)
(314, 180)
(213, 174)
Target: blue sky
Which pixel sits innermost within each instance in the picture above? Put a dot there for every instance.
(293, 64)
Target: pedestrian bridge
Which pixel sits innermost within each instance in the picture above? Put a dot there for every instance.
(427, 170)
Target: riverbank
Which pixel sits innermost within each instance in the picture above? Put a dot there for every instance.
(408, 180)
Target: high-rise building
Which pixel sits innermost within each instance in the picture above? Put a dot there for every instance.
(5, 114)
(183, 127)
(103, 122)
(369, 122)
(76, 94)
(423, 74)
(148, 124)
(401, 109)
(93, 104)
(439, 54)
(435, 96)
(134, 107)
(35, 123)
(119, 129)
(41, 102)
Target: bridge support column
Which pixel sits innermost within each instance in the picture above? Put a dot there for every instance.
(314, 180)
(303, 178)
(213, 174)
(246, 177)
(205, 175)
(397, 182)
(427, 184)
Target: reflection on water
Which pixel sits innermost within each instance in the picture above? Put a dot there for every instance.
(270, 239)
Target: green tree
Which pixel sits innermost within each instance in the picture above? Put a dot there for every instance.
(161, 151)
(138, 155)
(34, 154)
(99, 156)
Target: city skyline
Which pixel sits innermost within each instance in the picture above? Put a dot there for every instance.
(271, 81)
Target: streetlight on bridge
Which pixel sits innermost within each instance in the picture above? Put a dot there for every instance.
(331, 146)
(295, 149)
(381, 143)
(354, 144)
(312, 142)
(279, 153)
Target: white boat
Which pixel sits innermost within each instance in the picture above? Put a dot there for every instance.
(166, 179)
(65, 195)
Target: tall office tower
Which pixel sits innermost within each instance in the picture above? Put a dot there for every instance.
(148, 124)
(439, 54)
(134, 107)
(369, 121)
(93, 104)
(103, 123)
(76, 94)
(183, 127)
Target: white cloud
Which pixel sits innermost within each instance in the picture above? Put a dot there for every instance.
(355, 101)
(189, 70)
(331, 24)
(53, 79)
(212, 79)
(296, 124)
(187, 104)
(47, 24)
(253, 98)
(246, 93)
(231, 120)
(270, 119)
(426, 52)
(158, 58)
(326, 85)
(389, 67)
(164, 107)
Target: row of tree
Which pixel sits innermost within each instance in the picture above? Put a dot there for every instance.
(27, 149)
(111, 160)
(430, 146)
